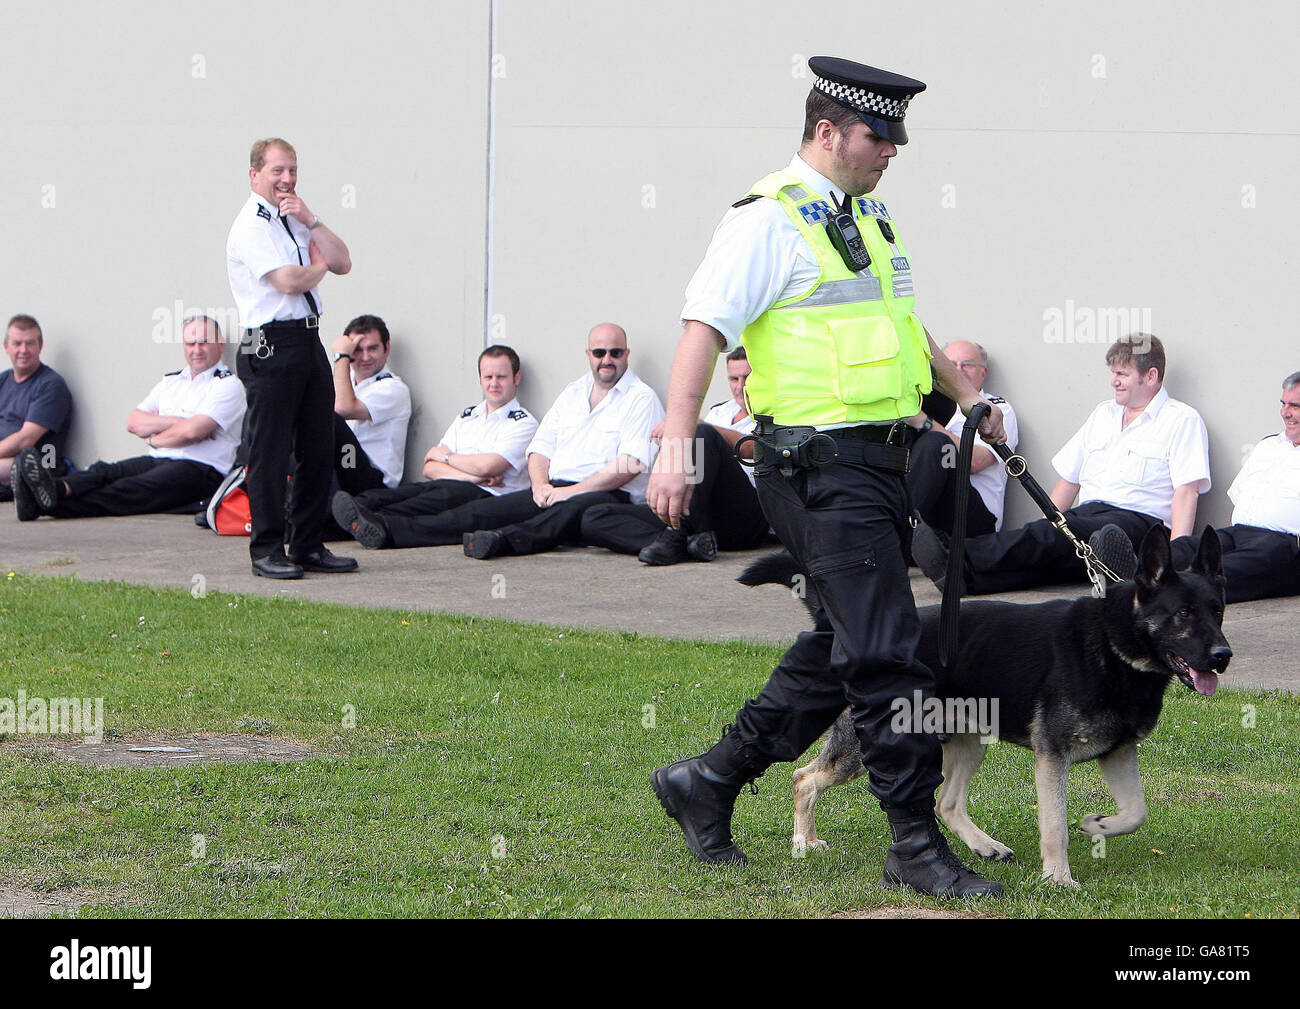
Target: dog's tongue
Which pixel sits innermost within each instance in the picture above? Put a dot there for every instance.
(1205, 683)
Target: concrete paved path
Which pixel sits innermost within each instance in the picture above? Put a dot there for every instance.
(573, 587)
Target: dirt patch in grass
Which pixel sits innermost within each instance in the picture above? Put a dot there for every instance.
(908, 912)
(147, 750)
(16, 902)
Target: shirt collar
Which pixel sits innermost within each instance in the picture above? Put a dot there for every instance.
(188, 373)
(622, 386)
(814, 179)
(502, 411)
(1151, 410)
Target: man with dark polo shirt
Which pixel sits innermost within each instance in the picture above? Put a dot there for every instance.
(35, 404)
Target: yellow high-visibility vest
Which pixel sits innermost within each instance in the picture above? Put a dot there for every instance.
(849, 349)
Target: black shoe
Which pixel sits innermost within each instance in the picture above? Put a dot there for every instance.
(325, 562)
(483, 544)
(1113, 548)
(931, 554)
(24, 504)
(360, 523)
(701, 802)
(276, 565)
(921, 860)
(669, 547)
(39, 480)
(702, 546)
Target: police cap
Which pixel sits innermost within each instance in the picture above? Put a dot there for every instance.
(877, 96)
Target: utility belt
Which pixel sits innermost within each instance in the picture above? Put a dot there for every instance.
(260, 342)
(785, 449)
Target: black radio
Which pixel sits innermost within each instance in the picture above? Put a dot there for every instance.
(847, 239)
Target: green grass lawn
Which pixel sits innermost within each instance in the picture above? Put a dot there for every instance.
(501, 770)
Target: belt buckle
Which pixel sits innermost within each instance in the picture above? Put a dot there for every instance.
(899, 427)
(312, 322)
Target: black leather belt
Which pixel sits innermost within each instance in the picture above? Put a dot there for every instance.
(311, 322)
(777, 447)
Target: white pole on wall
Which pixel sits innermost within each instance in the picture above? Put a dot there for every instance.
(491, 174)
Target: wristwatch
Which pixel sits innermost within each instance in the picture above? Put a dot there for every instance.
(928, 425)
(342, 357)
(315, 224)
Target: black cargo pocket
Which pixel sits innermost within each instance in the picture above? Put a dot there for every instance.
(843, 560)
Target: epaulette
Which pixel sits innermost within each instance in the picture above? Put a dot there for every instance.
(995, 399)
(517, 414)
(171, 373)
(467, 411)
(1268, 436)
(718, 404)
(383, 375)
(746, 200)
(222, 371)
(263, 212)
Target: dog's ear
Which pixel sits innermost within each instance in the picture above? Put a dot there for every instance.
(1155, 563)
(1209, 558)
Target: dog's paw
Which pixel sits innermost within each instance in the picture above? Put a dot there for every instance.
(1061, 877)
(994, 851)
(1096, 825)
(799, 844)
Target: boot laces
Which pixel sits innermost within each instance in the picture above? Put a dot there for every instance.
(945, 853)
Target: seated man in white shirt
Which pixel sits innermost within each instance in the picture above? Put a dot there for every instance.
(592, 447)
(1261, 549)
(932, 470)
(191, 422)
(724, 512)
(372, 408)
(1140, 459)
(481, 455)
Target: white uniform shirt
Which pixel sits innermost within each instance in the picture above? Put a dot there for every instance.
(1267, 490)
(721, 414)
(757, 257)
(215, 393)
(383, 436)
(579, 441)
(506, 431)
(1139, 466)
(258, 244)
(991, 481)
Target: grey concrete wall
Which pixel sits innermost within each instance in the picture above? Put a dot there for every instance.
(127, 128)
(1074, 172)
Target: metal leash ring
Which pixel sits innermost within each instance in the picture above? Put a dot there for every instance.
(1016, 466)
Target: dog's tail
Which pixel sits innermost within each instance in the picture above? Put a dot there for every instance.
(781, 569)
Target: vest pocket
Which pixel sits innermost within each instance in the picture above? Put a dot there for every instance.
(867, 366)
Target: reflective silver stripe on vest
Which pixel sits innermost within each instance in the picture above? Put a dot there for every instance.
(903, 284)
(842, 292)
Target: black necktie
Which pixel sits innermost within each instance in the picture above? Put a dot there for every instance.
(311, 302)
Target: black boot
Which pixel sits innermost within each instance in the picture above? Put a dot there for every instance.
(699, 794)
(920, 859)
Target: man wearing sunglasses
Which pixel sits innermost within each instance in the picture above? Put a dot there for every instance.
(592, 447)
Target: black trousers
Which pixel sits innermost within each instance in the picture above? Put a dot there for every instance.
(136, 486)
(723, 500)
(430, 497)
(1258, 563)
(932, 482)
(447, 527)
(290, 433)
(353, 470)
(557, 525)
(845, 525)
(1037, 554)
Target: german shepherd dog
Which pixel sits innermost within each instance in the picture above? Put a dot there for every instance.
(1071, 679)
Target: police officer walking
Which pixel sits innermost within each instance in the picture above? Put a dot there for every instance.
(276, 255)
(808, 273)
